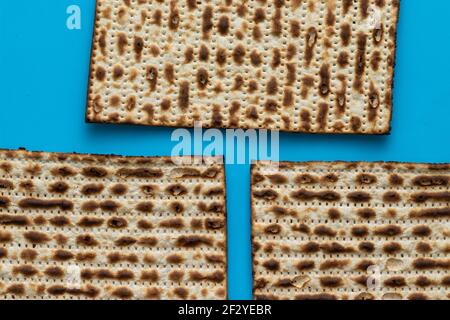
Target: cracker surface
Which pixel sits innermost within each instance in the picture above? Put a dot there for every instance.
(108, 227)
(321, 66)
(351, 230)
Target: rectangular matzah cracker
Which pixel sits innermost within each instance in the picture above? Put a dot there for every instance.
(351, 230)
(318, 66)
(104, 227)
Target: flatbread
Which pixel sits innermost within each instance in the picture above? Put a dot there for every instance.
(322, 66)
(351, 230)
(108, 227)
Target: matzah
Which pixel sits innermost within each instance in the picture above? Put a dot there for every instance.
(108, 227)
(351, 230)
(318, 66)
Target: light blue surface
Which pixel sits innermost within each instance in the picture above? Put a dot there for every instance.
(43, 83)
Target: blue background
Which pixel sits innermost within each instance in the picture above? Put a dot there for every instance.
(43, 84)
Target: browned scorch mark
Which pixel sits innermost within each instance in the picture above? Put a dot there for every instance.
(360, 62)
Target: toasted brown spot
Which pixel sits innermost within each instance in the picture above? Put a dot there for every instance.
(346, 33)
(36, 237)
(122, 293)
(216, 276)
(366, 179)
(317, 296)
(305, 265)
(392, 248)
(434, 196)
(360, 60)
(3, 253)
(423, 282)
(193, 241)
(306, 179)
(92, 189)
(86, 240)
(150, 275)
(62, 255)
(221, 56)
(122, 42)
(214, 224)
(183, 95)
(16, 289)
(294, 28)
(94, 172)
(58, 187)
(85, 256)
(359, 196)
(395, 282)
(366, 213)
(207, 23)
(266, 194)
(271, 265)
(119, 189)
(32, 203)
(117, 223)
(331, 282)
(360, 231)
(277, 27)
(305, 195)
(391, 197)
(223, 25)
(431, 213)
(25, 270)
(188, 55)
(324, 86)
(421, 231)
(214, 258)
(334, 264)
(145, 207)
(6, 184)
(334, 214)
(5, 236)
(151, 76)
(28, 254)
(54, 272)
(429, 264)
(311, 39)
(367, 247)
(388, 231)
(14, 220)
(364, 265)
(89, 222)
(174, 223)
(273, 229)
(417, 296)
(277, 179)
(335, 248)
(144, 224)
(310, 247)
(239, 54)
(324, 231)
(255, 58)
(182, 293)
(396, 180)
(176, 207)
(175, 258)
(430, 181)
(423, 247)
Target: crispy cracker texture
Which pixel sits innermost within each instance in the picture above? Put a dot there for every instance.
(78, 226)
(322, 66)
(350, 230)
